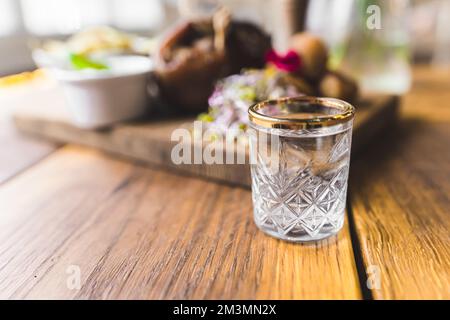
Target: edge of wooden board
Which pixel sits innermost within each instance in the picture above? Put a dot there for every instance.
(151, 144)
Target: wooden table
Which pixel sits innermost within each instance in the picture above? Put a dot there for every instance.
(130, 231)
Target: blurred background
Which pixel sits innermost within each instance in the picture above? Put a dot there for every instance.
(417, 29)
(61, 203)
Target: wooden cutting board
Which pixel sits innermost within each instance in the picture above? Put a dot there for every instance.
(150, 141)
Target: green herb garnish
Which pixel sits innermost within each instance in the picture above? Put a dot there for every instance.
(242, 126)
(205, 117)
(80, 62)
(247, 93)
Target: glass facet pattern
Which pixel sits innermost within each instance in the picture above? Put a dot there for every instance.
(299, 187)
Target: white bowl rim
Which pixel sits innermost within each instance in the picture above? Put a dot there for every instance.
(93, 75)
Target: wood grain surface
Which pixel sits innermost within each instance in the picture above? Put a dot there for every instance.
(19, 152)
(429, 97)
(150, 141)
(400, 193)
(136, 232)
(139, 233)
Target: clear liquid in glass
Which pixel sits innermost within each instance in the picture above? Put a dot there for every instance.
(302, 196)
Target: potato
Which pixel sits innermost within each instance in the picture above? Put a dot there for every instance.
(338, 85)
(313, 53)
(299, 83)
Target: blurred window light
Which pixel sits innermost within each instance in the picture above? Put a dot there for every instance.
(50, 17)
(334, 26)
(138, 14)
(94, 12)
(441, 54)
(8, 21)
(45, 17)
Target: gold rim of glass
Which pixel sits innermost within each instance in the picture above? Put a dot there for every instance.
(346, 113)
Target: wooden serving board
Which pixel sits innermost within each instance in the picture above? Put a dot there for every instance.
(150, 141)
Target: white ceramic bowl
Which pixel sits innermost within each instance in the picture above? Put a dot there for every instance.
(98, 98)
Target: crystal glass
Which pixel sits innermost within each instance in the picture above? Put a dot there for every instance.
(300, 155)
